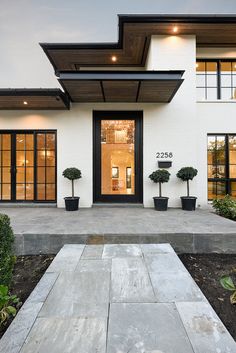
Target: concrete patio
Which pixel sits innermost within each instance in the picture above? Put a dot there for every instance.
(117, 299)
(46, 230)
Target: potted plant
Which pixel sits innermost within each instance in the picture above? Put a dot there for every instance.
(160, 176)
(72, 203)
(186, 174)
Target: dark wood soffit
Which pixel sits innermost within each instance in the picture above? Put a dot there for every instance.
(134, 38)
(123, 91)
(11, 99)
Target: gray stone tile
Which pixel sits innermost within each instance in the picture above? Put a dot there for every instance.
(121, 250)
(43, 288)
(14, 338)
(78, 335)
(92, 252)
(94, 265)
(154, 249)
(174, 287)
(206, 332)
(67, 258)
(78, 294)
(130, 281)
(166, 263)
(146, 328)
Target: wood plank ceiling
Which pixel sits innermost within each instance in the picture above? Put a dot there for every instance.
(33, 99)
(134, 38)
(126, 87)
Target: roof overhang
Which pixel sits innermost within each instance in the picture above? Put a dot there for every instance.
(121, 86)
(33, 99)
(135, 32)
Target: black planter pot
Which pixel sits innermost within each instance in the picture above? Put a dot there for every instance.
(188, 203)
(72, 203)
(161, 203)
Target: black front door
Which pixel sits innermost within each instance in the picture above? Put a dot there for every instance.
(118, 148)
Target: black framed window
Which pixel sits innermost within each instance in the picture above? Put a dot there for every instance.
(221, 156)
(216, 79)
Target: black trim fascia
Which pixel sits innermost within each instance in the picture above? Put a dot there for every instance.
(121, 75)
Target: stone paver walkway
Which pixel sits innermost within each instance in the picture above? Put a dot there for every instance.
(117, 299)
(46, 230)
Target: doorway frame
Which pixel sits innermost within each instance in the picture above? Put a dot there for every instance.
(13, 133)
(136, 115)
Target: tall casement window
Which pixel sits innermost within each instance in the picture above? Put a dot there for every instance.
(221, 165)
(28, 166)
(216, 79)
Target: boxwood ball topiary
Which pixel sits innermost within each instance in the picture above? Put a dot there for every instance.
(160, 176)
(187, 173)
(72, 173)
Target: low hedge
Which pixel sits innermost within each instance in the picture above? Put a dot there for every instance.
(7, 259)
(225, 207)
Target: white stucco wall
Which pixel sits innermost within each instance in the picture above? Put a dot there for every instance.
(179, 127)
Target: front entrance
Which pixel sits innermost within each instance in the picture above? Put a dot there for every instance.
(27, 166)
(118, 152)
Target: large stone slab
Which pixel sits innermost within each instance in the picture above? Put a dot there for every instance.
(154, 249)
(146, 328)
(14, 338)
(67, 258)
(78, 294)
(206, 332)
(43, 288)
(167, 263)
(121, 250)
(175, 287)
(92, 252)
(83, 335)
(94, 265)
(130, 281)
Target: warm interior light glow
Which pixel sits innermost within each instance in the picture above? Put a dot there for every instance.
(197, 64)
(175, 29)
(25, 103)
(114, 58)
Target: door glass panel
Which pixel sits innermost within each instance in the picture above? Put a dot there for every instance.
(24, 167)
(117, 154)
(5, 167)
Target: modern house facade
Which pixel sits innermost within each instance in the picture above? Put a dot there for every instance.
(163, 96)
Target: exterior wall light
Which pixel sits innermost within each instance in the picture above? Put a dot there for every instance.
(114, 58)
(175, 29)
(25, 103)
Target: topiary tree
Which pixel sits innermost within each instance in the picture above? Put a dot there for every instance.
(72, 174)
(160, 176)
(7, 259)
(186, 174)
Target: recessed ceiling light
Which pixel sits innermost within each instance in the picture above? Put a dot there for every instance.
(25, 103)
(114, 58)
(175, 29)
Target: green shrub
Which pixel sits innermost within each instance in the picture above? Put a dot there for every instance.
(7, 258)
(8, 304)
(72, 174)
(186, 174)
(225, 207)
(160, 176)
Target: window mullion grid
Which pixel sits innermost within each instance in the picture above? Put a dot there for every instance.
(218, 79)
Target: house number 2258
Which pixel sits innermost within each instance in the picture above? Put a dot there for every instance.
(164, 154)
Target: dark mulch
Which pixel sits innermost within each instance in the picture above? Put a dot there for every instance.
(27, 272)
(206, 269)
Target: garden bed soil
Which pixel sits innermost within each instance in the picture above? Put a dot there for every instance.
(27, 272)
(206, 269)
